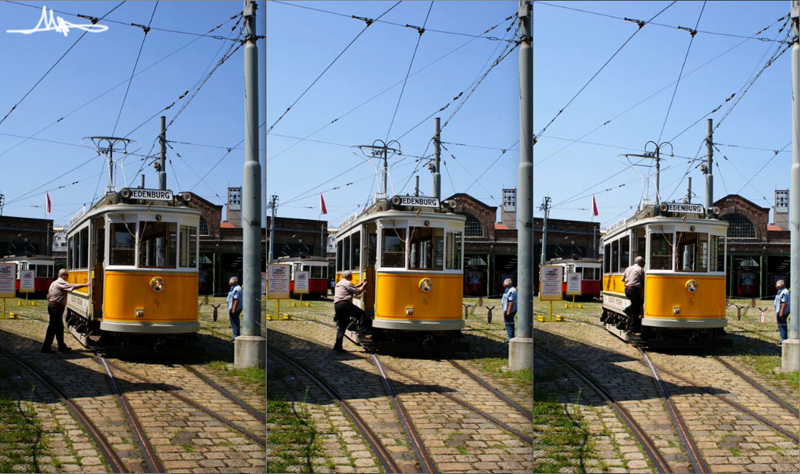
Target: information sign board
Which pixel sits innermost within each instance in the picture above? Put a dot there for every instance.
(551, 283)
(26, 284)
(278, 282)
(8, 273)
(574, 283)
(301, 282)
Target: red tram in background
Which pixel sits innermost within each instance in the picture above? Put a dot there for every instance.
(590, 270)
(747, 284)
(317, 268)
(43, 266)
(475, 283)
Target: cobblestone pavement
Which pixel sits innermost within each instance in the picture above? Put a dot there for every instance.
(457, 439)
(184, 438)
(730, 441)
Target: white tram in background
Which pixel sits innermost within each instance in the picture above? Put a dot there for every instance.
(410, 252)
(684, 247)
(139, 248)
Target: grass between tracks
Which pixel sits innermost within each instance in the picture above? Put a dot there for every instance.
(21, 440)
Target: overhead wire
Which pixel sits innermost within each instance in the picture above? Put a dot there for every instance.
(692, 32)
(369, 22)
(641, 25)
(774, 154)
(490, 166)
(146, 30)
(14, 107)
(421, 31)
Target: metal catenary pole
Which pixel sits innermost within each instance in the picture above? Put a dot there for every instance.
(794, 187)
(437, 154)
(525, 178)
(251, 185)
(709, 162)
(162, 160)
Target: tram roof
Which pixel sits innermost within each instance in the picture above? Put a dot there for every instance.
(648, 216)
(383, 209)
(113, 202)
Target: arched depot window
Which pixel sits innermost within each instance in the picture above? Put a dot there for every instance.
(203, 226)
(473, 227)
(740, 226)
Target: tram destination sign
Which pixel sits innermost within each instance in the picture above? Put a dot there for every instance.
(151, 194)
(684, 208)
(419, 201)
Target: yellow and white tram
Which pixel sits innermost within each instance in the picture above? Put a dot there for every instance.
(139, 248)
(684, 248)
(410, 252)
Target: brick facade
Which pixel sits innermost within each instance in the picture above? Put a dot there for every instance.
(25, 236)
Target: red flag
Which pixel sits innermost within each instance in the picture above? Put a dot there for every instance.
(594, 206)
(47, 201)
(322, 207)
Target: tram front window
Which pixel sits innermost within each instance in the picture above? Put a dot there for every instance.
(660, 251)
(426, 246)
(692, 255)
(393, 247)
(157, 244)
(122, 244)
(453, 251)
(188, 246)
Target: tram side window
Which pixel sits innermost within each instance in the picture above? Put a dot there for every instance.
(624, 252)
(453, 251)
(339, 250)
(607, 258)
(356, 251)
(615, 256)
(188, 246)
(372, 249)
(122, 244)
(661, 251)
(393, 247)
(346, 256)
(41, 271)
(70, 251)
(84, 248)
(157, 244)
(424, 248)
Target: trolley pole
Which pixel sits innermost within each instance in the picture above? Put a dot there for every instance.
(437, 154)
(790, 358)
(250, 348)
(162, 160)
(709, 162)
(520, 348)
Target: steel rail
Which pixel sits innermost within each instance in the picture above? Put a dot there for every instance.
(380, 451)
(758, 386)
(103, 445)
(194, 404)
(695, 456)
(650, 449)
(423, 457)
(464, 404)
(527, 439)
(494, 391)
(148, 453)
(249, 409)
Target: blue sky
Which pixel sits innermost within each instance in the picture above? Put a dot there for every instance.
(306, 154)
(40, 141)
(621, 109)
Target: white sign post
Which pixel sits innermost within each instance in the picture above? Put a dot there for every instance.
(278, 283)
(574, 285)
(301, 285)
(551, 289)
(8, 274)
(26, 283)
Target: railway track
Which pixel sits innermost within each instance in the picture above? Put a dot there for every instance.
(690, 446)
(238, 401)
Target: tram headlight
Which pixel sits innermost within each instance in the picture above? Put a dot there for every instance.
(187, 196)
(125, 193)
(157, 284)
(691, 286)
(426, 285)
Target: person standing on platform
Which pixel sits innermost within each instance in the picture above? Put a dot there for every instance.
(509, 304)
(344, 307)
(782, 308)
(57, 303)
(633, 278)
(234, 305)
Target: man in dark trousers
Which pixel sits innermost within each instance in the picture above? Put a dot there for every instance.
(57, 303)
(633, 278)
(344, 307)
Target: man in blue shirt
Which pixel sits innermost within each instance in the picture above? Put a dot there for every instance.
(509, 302)
(234, 305)
(782, 308)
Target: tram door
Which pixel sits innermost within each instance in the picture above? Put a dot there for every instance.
(370, 252)
(98, 252)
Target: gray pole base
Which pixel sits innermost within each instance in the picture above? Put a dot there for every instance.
(249, 351)
(790, 356)
(520, 353)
